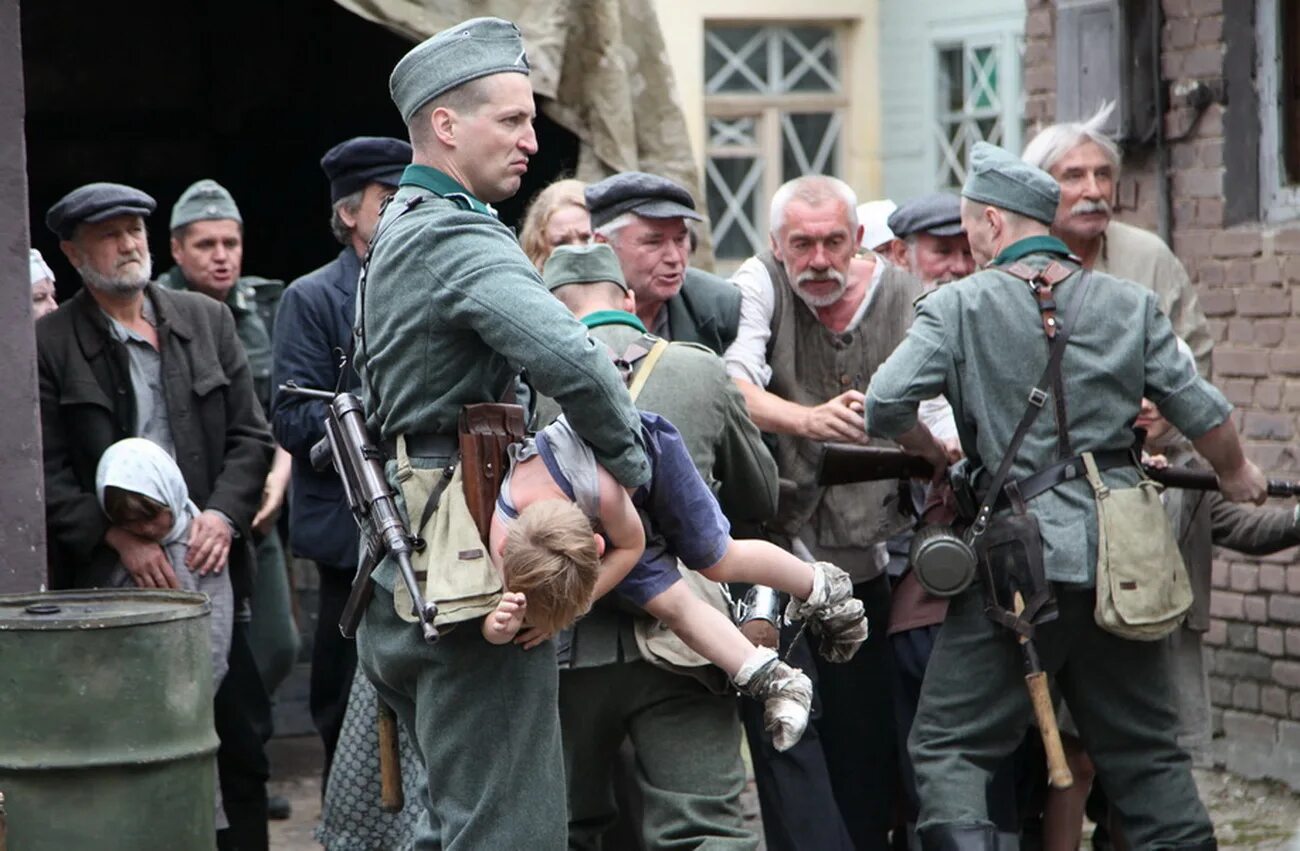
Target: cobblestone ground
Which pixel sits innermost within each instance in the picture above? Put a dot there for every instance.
(1247, 814)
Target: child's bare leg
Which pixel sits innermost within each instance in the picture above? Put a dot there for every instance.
(786, 692)
(502, 625)
(823, 594)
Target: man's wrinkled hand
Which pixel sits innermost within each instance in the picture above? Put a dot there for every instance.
(143, 559)
(837, 420)
(209, 545)
(1246, 484)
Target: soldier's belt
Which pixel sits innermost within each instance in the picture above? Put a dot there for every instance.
(425, 445)
(1063, 471)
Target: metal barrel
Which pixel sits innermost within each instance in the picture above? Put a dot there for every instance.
(106, 737)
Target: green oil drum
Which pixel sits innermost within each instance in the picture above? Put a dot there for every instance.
(106, 737)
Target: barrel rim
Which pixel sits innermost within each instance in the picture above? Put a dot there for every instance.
(201, 606)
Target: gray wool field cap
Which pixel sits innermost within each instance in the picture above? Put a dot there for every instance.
(938, 214)
(637, 192)
(1000, 179)
(582, 264)
(475, 48)
(96, 202)
(203, 201)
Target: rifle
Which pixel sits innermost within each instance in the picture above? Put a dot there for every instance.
(842, 464)
(359, 463)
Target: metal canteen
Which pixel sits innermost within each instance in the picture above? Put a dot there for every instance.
(943, 562)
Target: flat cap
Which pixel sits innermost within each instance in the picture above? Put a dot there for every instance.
(96, 202)
(938, 213)
(582, 264)
(646, 195)
(873, 216)
(354, 164)
(471, 49)
(204, 201)
(996, 177)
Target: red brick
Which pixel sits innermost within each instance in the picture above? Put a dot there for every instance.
(1204, 183)
(1219, 574)
(1184, 212)
(1206, 61)
(1040, 79)
(1287, 362)
(1295, 298)
(1261, 426)
(1256, 302)
(1184, 156)
(1240, 242)
(1217, 634)
(1171, 68)
(1215, 302)
(1241, 362)
(1291, 395)
(1209, 212)
(1211, 122)
(1243, 577)
(1272, 577)
(1295, 705)
(1039, 22)
(1180, 33)
(1287, 674)
(1236, 272)
(1268, 639)
(1245, 695)
(1268, 395)
(1256, 609)
(1293, 587)
(1205, 7)
(1269, 332)
(1268, 270)
(1287, 241)
(1273, 701)
(1227, 604)
(1177, 8)
(1218, 332)
(1209, 30)
(1292, 638)
(1241, 331)
(1240, 391)
(1280, 607)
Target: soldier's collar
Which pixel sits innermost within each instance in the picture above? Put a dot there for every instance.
(239, 299)
(1042, 244)
(613, 317)
(444, 186)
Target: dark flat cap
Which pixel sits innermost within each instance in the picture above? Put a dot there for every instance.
(646, 195)
(353, 164)
(938, 214)
(582, 264)
(96, 202)
(1000, 179)
(472, 49)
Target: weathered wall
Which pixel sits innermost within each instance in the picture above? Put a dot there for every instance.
(1243, 274)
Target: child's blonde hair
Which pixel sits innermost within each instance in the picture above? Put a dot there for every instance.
(550, 557)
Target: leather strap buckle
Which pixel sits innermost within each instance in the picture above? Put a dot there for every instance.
(1037, 397)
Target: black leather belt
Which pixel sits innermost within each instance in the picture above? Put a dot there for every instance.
(1063, 471)
(426, 445)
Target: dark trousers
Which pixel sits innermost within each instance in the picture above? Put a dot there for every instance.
(857, 726)
(242, 716)
(333, 660)
(794, 787)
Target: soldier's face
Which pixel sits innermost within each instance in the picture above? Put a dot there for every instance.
(210, 254)
(499, 137)
(939, 259)
(816, 244)
(653, 254)
(1087, 179)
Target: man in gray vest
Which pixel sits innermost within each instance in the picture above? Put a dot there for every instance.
(810, 337)
(618, 679)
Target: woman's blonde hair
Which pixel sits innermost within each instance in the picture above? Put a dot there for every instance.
(550, 557)
(532, 235)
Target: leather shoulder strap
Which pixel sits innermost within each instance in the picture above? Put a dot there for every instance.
(642, 375)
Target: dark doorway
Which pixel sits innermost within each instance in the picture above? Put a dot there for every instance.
(159, 93)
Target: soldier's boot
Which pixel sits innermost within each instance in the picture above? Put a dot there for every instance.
(959, 837)
(832, 612)
(785, 692)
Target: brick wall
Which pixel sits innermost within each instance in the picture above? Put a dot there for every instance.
(1243, 276)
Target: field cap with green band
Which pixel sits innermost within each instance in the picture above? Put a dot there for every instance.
(204, 201)
(1000, 179)
(582, 264)
(475, 48)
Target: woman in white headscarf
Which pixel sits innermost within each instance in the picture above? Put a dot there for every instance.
(142, 491)
(42, 286)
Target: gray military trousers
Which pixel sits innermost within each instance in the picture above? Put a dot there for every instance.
(974, 710)
(485, 720)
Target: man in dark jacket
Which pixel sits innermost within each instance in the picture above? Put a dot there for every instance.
(124, 358)
(313, 332)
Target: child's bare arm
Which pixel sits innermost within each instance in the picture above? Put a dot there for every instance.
(625, 534)
(763, 563)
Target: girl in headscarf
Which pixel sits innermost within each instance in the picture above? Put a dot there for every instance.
(142, 491)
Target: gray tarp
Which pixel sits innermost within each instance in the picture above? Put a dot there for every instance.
(599, 67)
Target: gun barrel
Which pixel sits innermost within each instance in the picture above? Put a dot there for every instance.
(306, 392)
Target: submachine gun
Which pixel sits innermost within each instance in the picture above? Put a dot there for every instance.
(347, 447)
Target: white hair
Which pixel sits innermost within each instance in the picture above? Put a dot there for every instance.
(1056, 140)
(813, 189)
(609, 230)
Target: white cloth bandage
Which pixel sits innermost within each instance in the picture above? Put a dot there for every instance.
(786, 693)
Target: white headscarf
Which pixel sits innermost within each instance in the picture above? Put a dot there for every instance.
(142, 466)
(40, 270)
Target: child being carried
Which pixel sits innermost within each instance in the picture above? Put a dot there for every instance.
(565, 533)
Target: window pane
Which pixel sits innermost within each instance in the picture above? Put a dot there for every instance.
(733, 184)
(984, 78)
(809, 143)
(808, 60)
(735, 60)
(952, 93)
(740, 132)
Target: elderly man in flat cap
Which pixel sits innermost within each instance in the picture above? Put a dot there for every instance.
(621, 676)
(126, 358)
(931, 244)
(1086, 163)
(448, 311)
(985, 345)
(646, 220)
(313, 331)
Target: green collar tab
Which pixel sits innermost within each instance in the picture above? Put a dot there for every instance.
(1031, 245)
(612, 317)
(442, 185)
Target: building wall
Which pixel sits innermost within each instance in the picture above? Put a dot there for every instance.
(1244, 275)
(683, 27)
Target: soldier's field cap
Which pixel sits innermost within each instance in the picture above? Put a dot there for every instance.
(1000, 179)
(582, 264)
(470, 50)
(96, 202)
(938, 214)
(646, 195)
(356, 163)
(204, 201)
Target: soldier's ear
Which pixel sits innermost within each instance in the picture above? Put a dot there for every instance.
(629, 301)
(443, 122)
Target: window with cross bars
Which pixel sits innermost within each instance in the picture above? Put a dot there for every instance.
(969, 106)
(775, 105)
